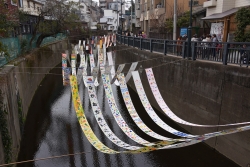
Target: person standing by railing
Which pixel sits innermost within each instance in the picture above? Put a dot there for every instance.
(214, 44)
(245, 56)
(179, 46)
(206, 46)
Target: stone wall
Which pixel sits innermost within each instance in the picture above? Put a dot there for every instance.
(200, 92)
(18, 83)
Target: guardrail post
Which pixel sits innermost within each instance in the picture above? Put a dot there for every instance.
(184, 50)
(194, 50)
(141, 43)
(133, 41)
(225, 53)
(165, 47)
(151, 46)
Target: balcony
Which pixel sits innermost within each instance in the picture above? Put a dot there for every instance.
(210, 3)
(142, 17)
(110, 22)
(159, 11)
(138, 14)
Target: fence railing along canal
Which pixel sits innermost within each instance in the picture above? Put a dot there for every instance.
(224, 52)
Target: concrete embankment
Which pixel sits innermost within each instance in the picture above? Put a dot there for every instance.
(200, 92)
(18, 83)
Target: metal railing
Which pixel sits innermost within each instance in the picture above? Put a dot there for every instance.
(224, 52)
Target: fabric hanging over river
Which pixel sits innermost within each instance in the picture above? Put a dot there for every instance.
(131, 109)
(157, 145)
(73, 64)
(166, 109)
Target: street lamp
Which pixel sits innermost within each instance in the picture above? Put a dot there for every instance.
(189, 31)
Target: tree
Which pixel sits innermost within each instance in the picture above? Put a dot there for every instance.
(8, 18)
(182, 21)
(242, 18)
(57, 16)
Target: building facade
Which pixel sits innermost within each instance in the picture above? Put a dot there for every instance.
(221, 14)
(110, 20)
(155, 12)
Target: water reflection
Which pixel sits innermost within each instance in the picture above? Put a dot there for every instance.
(52, 129)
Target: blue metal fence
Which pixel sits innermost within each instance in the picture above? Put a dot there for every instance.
(14, 45)
(224, 52)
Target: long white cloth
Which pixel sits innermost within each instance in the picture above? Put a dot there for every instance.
(167, 110)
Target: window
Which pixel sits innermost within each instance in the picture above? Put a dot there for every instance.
(195, 3)
(28, 4)
(20, 3)
(34, 5)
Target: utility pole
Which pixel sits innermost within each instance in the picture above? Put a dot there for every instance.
(189, 31)
(175, 20)
(121, 18)
(131, 15)
(150, 6)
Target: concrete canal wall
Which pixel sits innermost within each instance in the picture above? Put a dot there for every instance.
(19, 81)
(202, 93)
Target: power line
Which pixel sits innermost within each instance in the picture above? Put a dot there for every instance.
(52, 157)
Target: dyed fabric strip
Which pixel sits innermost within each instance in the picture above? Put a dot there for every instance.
(166, 109)
(81, 68)
(73, 64)
(110, 60)
(83, 121)
(119, 70)
(117, 115)
(100, 119)
(92, 61)
(149, 109)
(131, 109)
(65, 70)
(104, 55)
(132, 68)
(156, 146)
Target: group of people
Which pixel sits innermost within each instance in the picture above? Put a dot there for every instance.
(139, 35)
(207, 44)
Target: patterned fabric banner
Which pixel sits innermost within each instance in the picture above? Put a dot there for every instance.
(157, 145)
(65, 70)
(166, 109)
(100, 119)
(119, 70)
(131, 109)
(92, 61)
(132, 68)
(117, 115)
(110, 60)
(73, 64)
(149, 109)
(83, 121)
(81, 68)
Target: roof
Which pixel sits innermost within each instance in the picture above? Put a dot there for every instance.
(221, 15)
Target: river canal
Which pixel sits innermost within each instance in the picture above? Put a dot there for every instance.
(52, 129)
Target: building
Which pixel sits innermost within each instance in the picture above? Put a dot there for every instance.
(9, 11)
(110, 20)
(221, 14)
(155, 12)
(33, 8)
(104, 3)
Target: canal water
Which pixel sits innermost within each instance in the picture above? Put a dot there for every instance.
(52, 129)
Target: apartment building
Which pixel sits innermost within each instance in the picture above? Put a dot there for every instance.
(221, 13)
(110, 20)
(104, 3)
(33, 8)
(155, 12)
